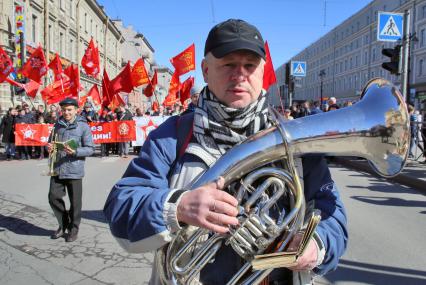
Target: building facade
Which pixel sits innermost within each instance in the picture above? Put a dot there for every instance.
(350, 55)
(59, 26)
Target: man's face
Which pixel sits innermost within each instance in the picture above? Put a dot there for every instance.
(194, 98)
(69, 112)
(236, 79)
(27, 109)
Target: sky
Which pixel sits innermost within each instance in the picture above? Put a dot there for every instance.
(289, 26)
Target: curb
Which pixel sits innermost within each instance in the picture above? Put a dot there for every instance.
(401, 178)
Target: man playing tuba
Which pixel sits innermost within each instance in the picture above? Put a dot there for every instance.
(152, 201)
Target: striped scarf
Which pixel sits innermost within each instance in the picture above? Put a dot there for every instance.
(217, 128)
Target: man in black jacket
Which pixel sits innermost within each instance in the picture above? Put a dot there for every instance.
(7, 132)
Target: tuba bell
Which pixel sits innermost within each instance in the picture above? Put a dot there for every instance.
(376, 128)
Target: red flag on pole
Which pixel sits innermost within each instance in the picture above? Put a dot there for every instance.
(123, 81)
(106, 92)
(90, 60)
(185, 90)
(269, 77)
(36, 67)
(139, 74)
(6, 65)
(174, 88)
(149, 89)
(53, 93)
(174, 85)
(56, 67)
(94, 93)
(155, 106)
(73, 83)
(31, 88)
(185, 61)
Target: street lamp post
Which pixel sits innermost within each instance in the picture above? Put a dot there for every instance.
(412, 38)
(321, 75)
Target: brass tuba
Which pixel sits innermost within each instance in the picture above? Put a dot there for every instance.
(376, 128)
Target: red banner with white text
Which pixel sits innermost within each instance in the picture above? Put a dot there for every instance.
(32, 134)
(117, 131)
(107, 132)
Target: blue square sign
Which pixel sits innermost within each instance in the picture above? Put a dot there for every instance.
(298, 68)
(389, 26)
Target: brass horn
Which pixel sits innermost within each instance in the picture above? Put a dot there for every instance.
(376, 128)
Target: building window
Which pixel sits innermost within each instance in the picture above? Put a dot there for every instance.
(61, 44)
(70, 53)
(85, 22)
(51, 37)
(34, 29)
(421, 67)
(71, 3)
(365, 57)
(424, 11)
(422, 37)
(374, 55)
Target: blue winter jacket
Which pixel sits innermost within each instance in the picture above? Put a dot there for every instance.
(135, 206)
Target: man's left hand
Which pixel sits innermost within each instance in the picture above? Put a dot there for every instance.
(308, 260)
(69, 150)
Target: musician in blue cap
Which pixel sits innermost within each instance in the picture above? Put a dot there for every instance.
(76, 144)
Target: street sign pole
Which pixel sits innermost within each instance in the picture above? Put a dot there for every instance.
(406, 51)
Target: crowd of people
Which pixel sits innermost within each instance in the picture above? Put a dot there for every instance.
(41, 115)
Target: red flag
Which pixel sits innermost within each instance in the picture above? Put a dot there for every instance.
(139, 74)
(269, 77)
(174, 85)
(53, 93)
(73, 83)
(31, 88)
(185, 90)
(82, 100)
(149, 89)
(36, 67)
(6, 65)
(116, 102)
(56, 67)
(155, 106)
(94, 93)
(106, 92)
(90, 60)
(123, 81)
(185, 61)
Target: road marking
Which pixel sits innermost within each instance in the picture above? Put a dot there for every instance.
(110, 159)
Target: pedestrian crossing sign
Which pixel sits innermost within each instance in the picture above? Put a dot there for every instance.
(298, 68)
(389, 26)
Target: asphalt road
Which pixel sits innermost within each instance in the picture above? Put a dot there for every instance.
(387, 229)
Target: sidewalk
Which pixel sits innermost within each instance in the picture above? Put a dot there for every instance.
(413, 175)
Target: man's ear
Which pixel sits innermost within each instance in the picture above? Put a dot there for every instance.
(205, 69)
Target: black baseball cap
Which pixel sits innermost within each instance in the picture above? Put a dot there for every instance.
(232, 35)
(68, 101)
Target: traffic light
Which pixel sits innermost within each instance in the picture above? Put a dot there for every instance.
(287, 73)
(394, 54)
